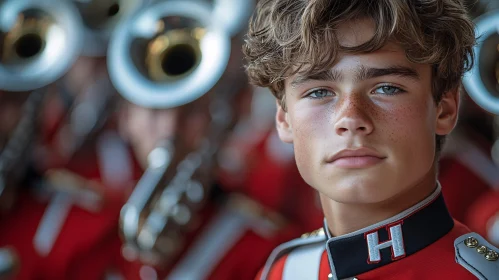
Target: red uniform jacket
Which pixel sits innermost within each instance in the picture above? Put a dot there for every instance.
(423, 242)
(68, 231)
(231, 243)
(466, 175)
(483, 216)
(270, 176)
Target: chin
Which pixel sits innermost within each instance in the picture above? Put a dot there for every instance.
(359, 189)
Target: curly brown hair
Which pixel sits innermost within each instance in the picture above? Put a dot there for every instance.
(288, 37)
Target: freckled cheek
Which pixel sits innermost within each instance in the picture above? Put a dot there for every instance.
(409, 132)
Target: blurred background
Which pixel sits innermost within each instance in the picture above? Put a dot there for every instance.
(133, 147)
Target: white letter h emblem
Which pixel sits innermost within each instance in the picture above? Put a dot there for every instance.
(396, 242)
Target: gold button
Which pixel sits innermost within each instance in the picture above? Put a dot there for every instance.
(471, 242)
(314, 233)
(482, 249)
(492, 255)
(317, 232)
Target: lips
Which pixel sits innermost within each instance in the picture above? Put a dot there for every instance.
(356, 158)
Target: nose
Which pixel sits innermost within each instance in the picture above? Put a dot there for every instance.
(353, 118)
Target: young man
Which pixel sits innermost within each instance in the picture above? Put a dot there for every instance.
(58, 218)
(62, 219)
(190, 223)
(367, 91)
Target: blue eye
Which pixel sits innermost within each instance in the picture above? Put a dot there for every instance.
(388, 90)
(320, 93)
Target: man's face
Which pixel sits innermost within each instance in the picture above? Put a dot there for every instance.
(376, 106)
(145, 128)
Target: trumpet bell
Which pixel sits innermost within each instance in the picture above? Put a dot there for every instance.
(100, 17)
(169, 54)
(174, 54)
(482, 81)
(39, 41)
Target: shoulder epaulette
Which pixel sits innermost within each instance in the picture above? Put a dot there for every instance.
(477, 255)
(315, 237)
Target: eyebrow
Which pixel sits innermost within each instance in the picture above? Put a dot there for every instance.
(362, 73)
(365, 73)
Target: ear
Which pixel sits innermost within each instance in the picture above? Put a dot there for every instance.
(283, 125)
(447, 112)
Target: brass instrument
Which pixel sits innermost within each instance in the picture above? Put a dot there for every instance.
(137, 55)
(234, 14)
(88, 111)
(100, 17)
(39, 41)
(482, 81)
(172, 54)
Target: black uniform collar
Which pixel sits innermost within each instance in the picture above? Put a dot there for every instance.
(390, 240)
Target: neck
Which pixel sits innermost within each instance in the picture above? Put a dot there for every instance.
(344, 218)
